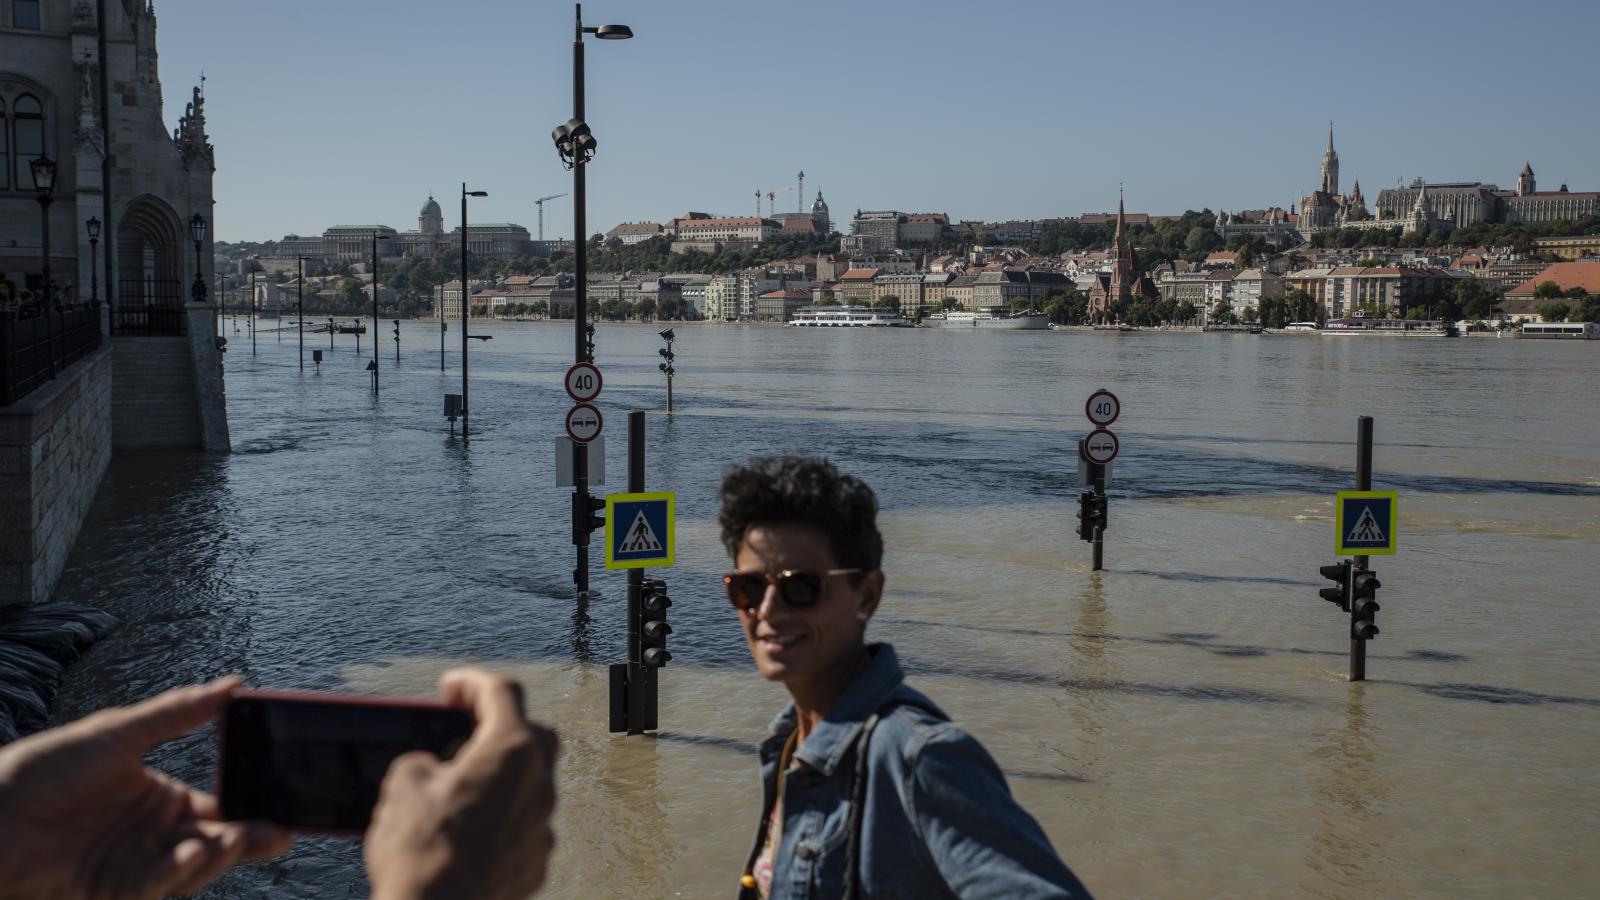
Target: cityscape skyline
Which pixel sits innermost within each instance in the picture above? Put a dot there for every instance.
(868, 104)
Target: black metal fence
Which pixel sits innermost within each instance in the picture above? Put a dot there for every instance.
(149, 307)
(38, 345)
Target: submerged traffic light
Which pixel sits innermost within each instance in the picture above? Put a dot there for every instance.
(1086, 515)
(584, 518)
(1339, 574)
(397, 331)
(1364, 605)
(653, 627)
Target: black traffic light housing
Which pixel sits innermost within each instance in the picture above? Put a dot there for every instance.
(1086, 515)
(397, 331)
(584, 520)
(1364, 606)
(1339, 574)
(653, 627)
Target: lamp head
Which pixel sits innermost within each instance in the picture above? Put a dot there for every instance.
(666, 334)
(477, 193)
(44, 174)
(94, 228)
(197, 227)
(613, 32)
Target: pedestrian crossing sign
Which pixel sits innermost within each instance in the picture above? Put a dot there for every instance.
(639, 530)
(1365, 523)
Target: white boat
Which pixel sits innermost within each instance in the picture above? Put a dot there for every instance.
(1362, 325)
(845, 317)
(1301, 327)
(990, 317)
(1582, 331)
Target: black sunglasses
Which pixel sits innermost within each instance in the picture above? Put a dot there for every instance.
(797, 588)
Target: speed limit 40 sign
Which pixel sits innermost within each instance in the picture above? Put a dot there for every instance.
(583, 382)
(1102, 408)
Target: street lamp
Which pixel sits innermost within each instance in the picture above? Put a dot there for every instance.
(93, 226)
(300, 306)
(464, 304)
(197, 231)
(44, 183)
(376, 237)
(576, 145)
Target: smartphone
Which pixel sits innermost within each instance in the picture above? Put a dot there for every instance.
(314, 762)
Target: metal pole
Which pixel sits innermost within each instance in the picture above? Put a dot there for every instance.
(465, 430)
(1098, 472)
(252, 307)
(300, 306)
(49, 305)
(580, 454)
(374, 313)
(94, 272)
(108, 161)
(444, 326)
(637, 675)
(1358, 649)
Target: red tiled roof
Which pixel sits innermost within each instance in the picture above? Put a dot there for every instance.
(1567, 275)
(859, 274)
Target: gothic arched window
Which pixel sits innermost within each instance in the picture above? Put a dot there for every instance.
(26, 132)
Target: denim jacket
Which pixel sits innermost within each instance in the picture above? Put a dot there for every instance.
(937, 817)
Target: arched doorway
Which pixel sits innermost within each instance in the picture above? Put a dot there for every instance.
(149, 270)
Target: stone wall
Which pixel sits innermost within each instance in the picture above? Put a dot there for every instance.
(55, 445)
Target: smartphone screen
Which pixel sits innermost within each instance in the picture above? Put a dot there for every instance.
(316, 762)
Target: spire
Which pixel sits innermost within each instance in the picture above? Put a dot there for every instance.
(1119, 208)
(1527, 169)
(1330, 135)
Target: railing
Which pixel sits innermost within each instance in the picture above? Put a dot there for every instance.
(149, 307)
(35, 346)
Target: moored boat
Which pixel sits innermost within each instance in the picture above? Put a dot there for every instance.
(988, 317)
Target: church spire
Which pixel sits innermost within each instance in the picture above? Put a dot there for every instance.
(1329, 182)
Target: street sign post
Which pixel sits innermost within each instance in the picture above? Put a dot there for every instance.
(584, 423)
(1365, 523)
(1100, 446)
(583, 382)
(639, 530)
(1102, 408)
(597, 461)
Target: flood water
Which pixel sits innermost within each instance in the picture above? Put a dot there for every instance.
(1179, 723)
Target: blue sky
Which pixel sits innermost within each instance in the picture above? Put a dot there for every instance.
(352, 111)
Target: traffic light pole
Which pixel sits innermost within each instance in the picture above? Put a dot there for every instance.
(641, 678)
(1098, 473)
(1358, 647)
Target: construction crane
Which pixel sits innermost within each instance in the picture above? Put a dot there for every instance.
(772, 197)
(540, 203)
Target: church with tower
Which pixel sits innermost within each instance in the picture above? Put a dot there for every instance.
(1113, 291)
(1325, 208)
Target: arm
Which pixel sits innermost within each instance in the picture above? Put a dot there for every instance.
(982, 842)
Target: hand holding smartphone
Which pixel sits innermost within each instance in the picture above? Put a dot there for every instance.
(315, 762)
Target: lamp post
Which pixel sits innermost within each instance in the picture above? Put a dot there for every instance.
(376, 237)
(252, 309)
(464, 306)
(576, 145)
(44, 184)
(93, 226)
(197, 231)
(300, 305)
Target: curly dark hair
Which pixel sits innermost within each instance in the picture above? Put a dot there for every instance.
(780, 490)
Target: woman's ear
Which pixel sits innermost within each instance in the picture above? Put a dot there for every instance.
(871, 591)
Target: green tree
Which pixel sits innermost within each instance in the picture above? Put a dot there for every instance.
(647, 308)
(888, 301)
(1554, 312)
(1066, 307)
(1548, 290)
(1200, 241)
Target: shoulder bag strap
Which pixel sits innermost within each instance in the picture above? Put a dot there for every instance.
(858, 807)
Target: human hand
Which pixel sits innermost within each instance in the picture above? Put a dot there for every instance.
(84, 818)
(477, 825)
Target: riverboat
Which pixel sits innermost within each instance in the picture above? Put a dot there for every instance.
(845, 317)
(1115, 326)
(989, 317)
(1363, 325)
(1236, 329)
(1570, 331)
(1301, 328)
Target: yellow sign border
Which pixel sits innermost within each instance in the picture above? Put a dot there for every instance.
(1338, 523)
(671, 537)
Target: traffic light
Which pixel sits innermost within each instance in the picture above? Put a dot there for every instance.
(397, 331)
(1339, 573)
(584, 520)
(1086, 515)
(653, 627)
(1364, 605)
(588, 331)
